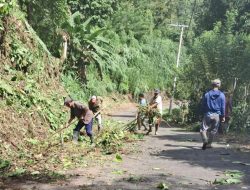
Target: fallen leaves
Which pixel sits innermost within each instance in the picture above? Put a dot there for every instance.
(118, 172)
(118, 158)
(162, 186)
(242, 163)
(233, 177)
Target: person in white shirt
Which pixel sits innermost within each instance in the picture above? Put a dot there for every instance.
(155, 103)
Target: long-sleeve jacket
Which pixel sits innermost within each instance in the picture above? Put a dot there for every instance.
(214, 102)
(81, 112)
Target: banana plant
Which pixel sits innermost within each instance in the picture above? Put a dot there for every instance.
(87, 46)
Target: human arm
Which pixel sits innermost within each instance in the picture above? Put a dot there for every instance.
(154, 102)
(154, 105)
(70, 121)
(72, 117)
(100, 103)
(100, 99)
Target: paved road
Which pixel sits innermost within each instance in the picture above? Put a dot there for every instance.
(174, 157)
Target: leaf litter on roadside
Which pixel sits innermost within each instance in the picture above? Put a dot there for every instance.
(118, 172)
(118, 158)
(162, 186)
(40, 155)
(242, 163)
(136, 179)
(232, 177)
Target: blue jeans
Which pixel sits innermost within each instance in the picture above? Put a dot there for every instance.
(88, 127)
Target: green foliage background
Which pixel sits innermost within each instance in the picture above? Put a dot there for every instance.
(113, 47)
(129, 47)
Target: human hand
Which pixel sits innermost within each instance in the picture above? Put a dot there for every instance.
(223, 119)
(64, 38)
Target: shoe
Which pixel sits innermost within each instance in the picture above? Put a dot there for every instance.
(75, 137)
(204, 146)
(91, 140)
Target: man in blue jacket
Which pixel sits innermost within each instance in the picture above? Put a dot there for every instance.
(213, 108)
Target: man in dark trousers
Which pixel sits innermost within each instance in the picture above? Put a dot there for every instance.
(213, 108)
(84, 116)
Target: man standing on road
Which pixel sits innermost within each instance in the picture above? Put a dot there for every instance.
(84, 116)
(213, 108)
(141, 116)
(95, 105)
(155, 110)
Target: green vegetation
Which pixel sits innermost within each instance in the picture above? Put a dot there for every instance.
(162, 186)
(113, 47)
(232, 177)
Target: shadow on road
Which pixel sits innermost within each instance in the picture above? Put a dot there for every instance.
(187, 137)
(185, 148)
(142, 182)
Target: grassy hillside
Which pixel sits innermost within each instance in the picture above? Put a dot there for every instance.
(31, 95)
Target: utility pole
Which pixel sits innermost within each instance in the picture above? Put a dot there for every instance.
(177, 63)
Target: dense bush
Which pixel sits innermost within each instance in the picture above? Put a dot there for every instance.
(129, 47)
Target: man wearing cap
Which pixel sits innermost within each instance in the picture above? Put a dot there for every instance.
(213, 108)
(95, 104)
(155, 104)
(84, 116)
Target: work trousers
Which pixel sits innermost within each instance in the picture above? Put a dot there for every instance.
(209, 125)
(88, 127)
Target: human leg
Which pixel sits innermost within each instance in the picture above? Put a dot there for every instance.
(215, 123)
(157, 124)
(76, 131)
(88, 128)
(150, 121)
(138, 119)
(99, 121)
(143, 123)
(203, 131)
